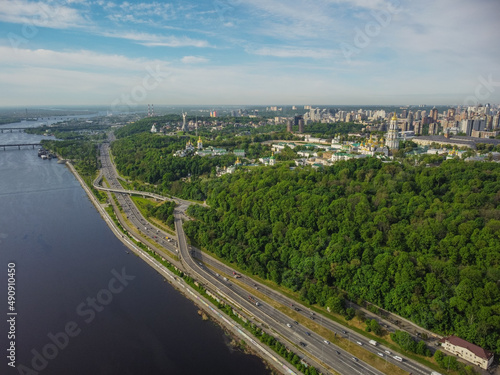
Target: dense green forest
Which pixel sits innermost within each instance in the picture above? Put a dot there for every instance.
(149, 158)
(423, 242)
(163, 211)
(331, 130)
(82, 153)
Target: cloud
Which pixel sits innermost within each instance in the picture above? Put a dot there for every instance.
(139, 12)
(155, 40)
(40, 14)
(367, 4)
(73, 60)
(194, 60)
(294, 52)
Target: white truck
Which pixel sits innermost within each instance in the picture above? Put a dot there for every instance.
(373, 342)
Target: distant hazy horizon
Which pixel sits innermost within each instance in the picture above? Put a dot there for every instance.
(210, 107)
(263, 52)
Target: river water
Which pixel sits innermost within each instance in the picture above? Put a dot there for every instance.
(84, 305)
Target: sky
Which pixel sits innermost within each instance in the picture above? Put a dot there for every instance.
(256, 52)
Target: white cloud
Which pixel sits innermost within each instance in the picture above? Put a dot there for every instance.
(194, 60)
(367, 4)
(139, 12)
(73, 60)
(294, 52)
(40, 14)
(155, 40)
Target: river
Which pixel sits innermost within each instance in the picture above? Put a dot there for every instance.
(84, 305)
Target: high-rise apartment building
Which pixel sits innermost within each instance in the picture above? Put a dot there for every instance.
(391, 139)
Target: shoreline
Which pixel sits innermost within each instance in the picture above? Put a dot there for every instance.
(199, 301)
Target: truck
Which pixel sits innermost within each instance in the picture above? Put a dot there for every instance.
(373, 342)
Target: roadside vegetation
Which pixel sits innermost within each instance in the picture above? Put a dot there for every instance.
(421, 241)
(419, 238)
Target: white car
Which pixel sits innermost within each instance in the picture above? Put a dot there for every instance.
(326, 342)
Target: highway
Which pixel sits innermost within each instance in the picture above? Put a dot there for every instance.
(299, 338)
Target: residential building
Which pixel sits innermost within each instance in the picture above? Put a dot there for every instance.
(468, 351)
(301, 125)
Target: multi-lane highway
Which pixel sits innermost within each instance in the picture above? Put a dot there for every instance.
(300, 339)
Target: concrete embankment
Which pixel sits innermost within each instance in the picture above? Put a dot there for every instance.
(273, 360)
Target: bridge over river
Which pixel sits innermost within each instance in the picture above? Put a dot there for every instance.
(19, 145)
(12, 130)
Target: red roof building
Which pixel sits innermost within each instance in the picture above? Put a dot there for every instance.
(468, 351)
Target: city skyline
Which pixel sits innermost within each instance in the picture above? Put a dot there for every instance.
(116, 54)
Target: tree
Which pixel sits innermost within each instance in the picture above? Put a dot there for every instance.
(375, 327)
(360, 315)
(349, 313)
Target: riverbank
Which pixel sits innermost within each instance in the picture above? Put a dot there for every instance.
(179, 284)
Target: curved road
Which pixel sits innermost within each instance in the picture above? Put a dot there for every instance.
(311, 343)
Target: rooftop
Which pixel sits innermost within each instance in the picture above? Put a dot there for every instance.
(477, 350)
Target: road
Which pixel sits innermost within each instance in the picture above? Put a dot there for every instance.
(278, 323)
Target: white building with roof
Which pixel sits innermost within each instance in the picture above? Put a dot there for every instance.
(468, 351)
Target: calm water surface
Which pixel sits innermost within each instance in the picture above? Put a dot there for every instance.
(65, 257)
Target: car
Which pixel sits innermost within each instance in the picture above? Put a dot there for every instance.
(326, 342)
(359, 343)
(355, 359)
(380, 354)
(308, 334)
(337, 352)
(296, 322)
(297, 309)
(303, 344)
(289, 325)
(387, 351)
(344, 332)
